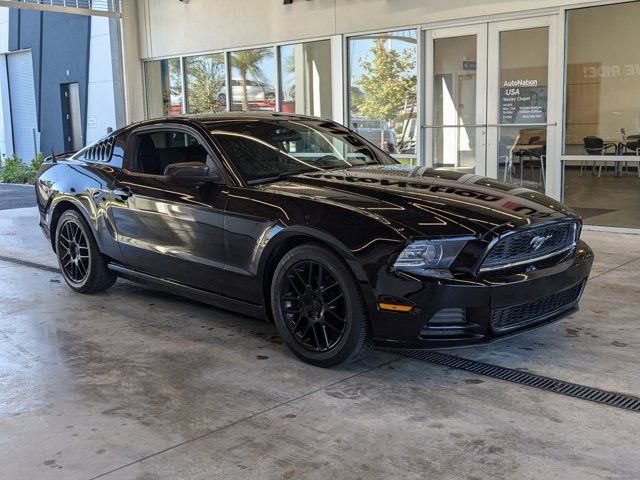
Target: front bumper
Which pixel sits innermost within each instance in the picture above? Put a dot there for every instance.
(465, 311)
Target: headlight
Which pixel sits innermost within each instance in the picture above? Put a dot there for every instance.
(430, 257)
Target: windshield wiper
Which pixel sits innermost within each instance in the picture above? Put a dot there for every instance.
(279, 176)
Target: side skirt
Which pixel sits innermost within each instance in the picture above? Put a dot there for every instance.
(220, 301)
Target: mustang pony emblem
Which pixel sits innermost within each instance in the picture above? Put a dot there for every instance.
(538, 241)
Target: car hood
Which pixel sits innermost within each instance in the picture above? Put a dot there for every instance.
(426, 202)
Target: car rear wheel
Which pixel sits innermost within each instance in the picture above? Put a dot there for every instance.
(81, 263)
(318, 307)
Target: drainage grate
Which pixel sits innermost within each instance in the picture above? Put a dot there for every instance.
(27, 263)
(613, 399)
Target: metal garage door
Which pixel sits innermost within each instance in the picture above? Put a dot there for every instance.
(23, 104)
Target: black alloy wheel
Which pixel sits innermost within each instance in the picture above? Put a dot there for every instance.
(318, 307)
(74, 252)
(313, 305)
(82, 265)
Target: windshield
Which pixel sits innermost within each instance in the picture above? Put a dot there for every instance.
(266, 149)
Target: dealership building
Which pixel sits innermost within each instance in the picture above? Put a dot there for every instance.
(487, 87)
(542, 94)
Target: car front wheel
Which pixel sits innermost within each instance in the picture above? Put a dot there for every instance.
(318, 307)
(81, 263)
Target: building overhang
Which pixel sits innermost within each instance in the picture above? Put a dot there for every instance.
(102, 8)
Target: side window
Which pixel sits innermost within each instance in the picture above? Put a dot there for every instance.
(156, 150)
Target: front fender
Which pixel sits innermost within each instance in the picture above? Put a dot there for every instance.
(279, 236)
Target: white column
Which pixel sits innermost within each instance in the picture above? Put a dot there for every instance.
(6, 135)
(101, 113)
(131, 26)
(338, 78)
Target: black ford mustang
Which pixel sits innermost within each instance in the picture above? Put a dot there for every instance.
(301, 221)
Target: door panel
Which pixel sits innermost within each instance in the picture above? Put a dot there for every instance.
(171, 230)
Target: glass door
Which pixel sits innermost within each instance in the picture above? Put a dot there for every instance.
(521, 128)
(488, 92)
(456, 98)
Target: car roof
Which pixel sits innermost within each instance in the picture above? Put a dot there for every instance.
(221, 117)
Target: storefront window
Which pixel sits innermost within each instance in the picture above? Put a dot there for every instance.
(305, 73)
(382, 91)
(163, 88)
(253, 79)
(206, 83)
(602, 114)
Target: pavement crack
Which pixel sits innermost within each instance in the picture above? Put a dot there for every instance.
(614, 268)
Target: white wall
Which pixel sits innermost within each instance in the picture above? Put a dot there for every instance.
(6, 144)
(171, 27)
(100, 99)
(4, 29)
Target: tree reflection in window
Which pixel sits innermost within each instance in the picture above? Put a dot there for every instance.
(206, 83)
(382, 89)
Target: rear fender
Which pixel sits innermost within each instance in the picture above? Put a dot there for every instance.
(59, 204)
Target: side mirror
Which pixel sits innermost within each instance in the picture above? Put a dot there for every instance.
(191, 172)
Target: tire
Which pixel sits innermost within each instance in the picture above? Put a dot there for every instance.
(82, 265)
(308, 315)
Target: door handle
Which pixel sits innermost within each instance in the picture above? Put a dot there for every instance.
(123, 193)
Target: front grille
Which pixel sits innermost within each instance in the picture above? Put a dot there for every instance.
(514, 316)
(519, 248)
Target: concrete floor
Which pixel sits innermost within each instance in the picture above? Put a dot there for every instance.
(132, 384)
(606, 200)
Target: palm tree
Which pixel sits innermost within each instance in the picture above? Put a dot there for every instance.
(248, 63)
